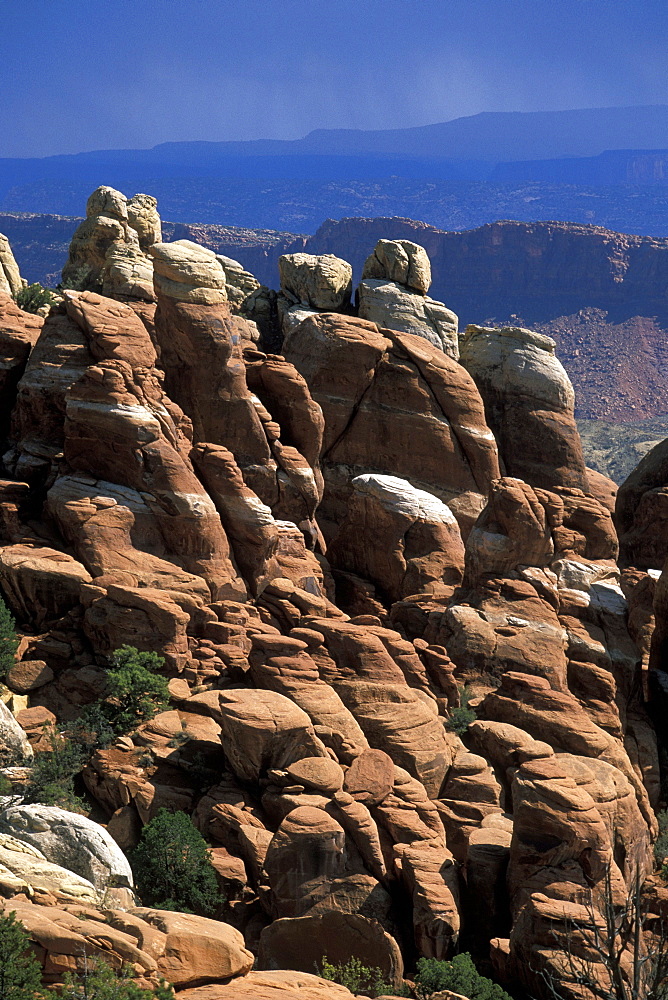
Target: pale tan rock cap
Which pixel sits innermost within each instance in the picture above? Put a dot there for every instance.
(317, 282)
(519, 360)
(144, 219)
(188, 272)
(107, 201)
(10, 277)
(401, 261)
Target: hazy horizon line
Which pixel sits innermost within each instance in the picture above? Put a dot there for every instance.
(283, 138)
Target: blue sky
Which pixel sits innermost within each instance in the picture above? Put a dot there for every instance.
(92, 74)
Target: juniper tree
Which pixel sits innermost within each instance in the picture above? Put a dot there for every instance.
(8, 640)
(172, 866)
(20, 976)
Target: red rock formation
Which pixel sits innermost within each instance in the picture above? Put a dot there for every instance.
(200, 347)
(404, 540)
(319, 753)
(393, 405)
(57, 360)
(119, 430)
(19, 332)
(371, 683)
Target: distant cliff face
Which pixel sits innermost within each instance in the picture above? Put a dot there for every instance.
(602, 295)
(546, 265)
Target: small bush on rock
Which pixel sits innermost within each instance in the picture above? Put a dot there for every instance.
(461, 718)
(135, 693)
(53, 773)
(361, 980)
(20, 974)
(98, 981)
(172, 866)
(135, 690)
(459, 976)
(8, 640)
(92, 729)
(34, 297)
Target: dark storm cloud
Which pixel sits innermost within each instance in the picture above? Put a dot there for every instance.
(77, 74)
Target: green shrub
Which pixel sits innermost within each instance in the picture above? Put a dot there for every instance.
(172, 866)
(92, 729)
(361, 980)
(459, 976)
(98, 981)
(461, 718)
(661, 845)
(8, 640)
(53, 773)
(134, 694)
(20, 974)
(6, 787)
(33, 297)
(135, 690)
(81, 279)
